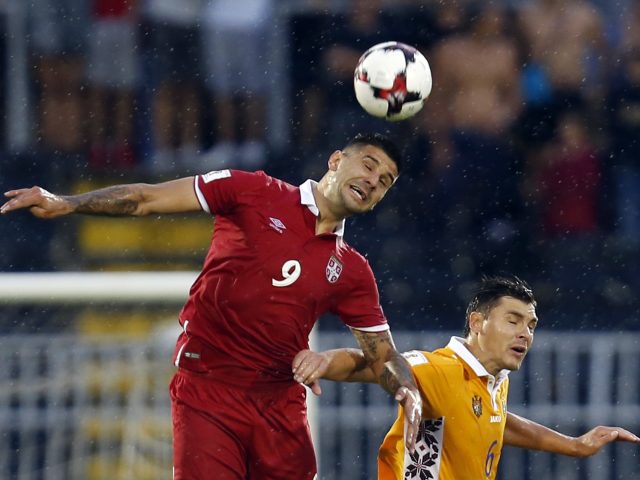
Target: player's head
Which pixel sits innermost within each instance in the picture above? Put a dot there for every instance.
(361, 174)
(380, 141)
(500, 321)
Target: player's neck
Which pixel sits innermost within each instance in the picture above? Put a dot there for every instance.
(328, 220)
(482, 357)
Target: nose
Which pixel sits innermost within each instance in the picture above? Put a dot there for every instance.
(526, 333)
(372, 180)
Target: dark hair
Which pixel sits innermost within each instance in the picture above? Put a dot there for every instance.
(491, 289)
(380, 141)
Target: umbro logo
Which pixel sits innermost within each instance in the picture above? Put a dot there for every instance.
(277, 225)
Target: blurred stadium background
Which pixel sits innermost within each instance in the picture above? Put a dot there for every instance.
(524, 160)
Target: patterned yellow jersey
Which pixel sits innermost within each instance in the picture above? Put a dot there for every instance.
(464, 415)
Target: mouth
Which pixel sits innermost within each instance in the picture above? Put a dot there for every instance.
(519, 350)
(359, 193)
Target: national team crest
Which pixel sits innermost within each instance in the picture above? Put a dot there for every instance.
(334, 269)
(476, 404)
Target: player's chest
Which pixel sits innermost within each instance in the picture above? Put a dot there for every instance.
(486, 409)
(287, 254)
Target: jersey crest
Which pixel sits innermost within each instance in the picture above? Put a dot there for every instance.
(476, 404)
(334, 269)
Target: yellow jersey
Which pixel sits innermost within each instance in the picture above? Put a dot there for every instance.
(463, 420)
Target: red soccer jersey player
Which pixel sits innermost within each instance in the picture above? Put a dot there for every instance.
(276, 263)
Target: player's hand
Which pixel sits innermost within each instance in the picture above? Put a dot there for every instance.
(412, 404)
(592, 441)
(40, 202)
(308, 367)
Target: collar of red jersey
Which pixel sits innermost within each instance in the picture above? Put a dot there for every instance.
(458, 345)
(307, 199)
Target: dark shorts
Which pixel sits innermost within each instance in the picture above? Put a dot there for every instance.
(229, 433)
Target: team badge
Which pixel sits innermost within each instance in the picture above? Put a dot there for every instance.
(334, 269)
(476, 404)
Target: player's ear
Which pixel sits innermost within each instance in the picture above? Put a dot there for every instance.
(475, 322)
(334, 160)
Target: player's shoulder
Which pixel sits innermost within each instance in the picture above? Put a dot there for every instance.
(248, 181)
(441, 358)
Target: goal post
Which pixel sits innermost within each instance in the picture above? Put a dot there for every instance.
(81, 287)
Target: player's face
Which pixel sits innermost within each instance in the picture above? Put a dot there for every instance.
(505, 334)
(362, 177)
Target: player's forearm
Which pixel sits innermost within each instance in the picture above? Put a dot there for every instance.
(396, 373)
(348, 365)
(523, 433)
(119, 200)
(175, 196)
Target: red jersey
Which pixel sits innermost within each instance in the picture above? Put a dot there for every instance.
(267, 278)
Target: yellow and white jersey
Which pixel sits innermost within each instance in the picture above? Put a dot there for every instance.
(464, 416)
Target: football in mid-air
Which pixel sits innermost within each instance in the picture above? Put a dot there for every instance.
(392, 81)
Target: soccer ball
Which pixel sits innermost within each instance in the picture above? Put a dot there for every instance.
(392, 81)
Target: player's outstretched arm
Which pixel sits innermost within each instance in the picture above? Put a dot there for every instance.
(119, 200)
(524, 433)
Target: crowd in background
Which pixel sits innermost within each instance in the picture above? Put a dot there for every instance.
(525, 159)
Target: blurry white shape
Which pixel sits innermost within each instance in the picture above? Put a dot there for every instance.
(80, 287)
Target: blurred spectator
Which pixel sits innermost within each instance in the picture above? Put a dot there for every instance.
(236, 48)
(58, 32)
(567, 187)
(3, 73)
(173, 53)
(474, 105)
(364, 25)
(628, 21)
(567, 52)
(624, 110)
(307, 91)
(567, 183)
(112, 73)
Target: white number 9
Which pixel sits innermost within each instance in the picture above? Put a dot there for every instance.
(290, 273)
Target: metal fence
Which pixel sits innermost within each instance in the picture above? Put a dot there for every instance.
(79, 408)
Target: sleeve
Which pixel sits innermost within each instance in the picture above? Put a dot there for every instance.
(220, 191)
(360, 307)
(432, 382)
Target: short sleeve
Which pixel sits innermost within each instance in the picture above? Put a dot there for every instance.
(360, 307)
(435, 381)
(220, 191)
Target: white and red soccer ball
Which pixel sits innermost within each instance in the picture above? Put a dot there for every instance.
(392, 81)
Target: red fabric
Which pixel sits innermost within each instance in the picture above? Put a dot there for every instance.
(112, 8)
(250, 329)
(249, 435)
(572, 186)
